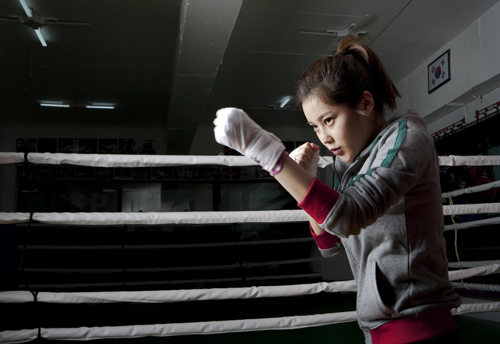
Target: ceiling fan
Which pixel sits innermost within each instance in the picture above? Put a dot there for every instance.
(281, 106)
(36, 22)
(349, 30)
(276, 107)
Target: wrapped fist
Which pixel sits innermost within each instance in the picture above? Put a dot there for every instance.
(235, 129)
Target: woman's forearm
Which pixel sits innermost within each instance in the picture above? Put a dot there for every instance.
(315, 227)
(294, 179)
(297, 181)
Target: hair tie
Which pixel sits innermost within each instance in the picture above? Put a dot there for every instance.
(339, 53)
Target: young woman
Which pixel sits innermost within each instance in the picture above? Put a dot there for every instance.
(385, 210)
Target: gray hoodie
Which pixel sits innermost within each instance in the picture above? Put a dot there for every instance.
(389, 217)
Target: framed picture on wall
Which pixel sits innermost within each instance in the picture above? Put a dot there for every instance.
(127, 146)
(438, 71)
(85, 172)
(146, 147)
(108, 146)
(120, 173)
(67, 145)
(25, 145)
(87, 146)
(47, 172)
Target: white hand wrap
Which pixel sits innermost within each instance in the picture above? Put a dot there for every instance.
(313, 164)
(236, 130)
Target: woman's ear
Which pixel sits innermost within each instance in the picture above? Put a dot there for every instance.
(366, 104)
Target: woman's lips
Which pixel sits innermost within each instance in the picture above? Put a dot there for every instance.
(336, 151)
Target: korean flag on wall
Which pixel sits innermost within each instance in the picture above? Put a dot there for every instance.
(438, 71)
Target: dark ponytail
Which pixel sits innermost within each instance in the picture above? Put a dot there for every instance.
(343, 77)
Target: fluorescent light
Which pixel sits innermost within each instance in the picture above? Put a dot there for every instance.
(29, 14)
(77, 105)
(55, 105)
(26, 8)
(108, 107)
(40, 37)
(285, 101)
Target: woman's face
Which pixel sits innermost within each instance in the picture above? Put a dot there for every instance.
(343, 130)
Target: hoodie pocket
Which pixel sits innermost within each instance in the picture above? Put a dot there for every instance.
(384, 292)
(374, 299)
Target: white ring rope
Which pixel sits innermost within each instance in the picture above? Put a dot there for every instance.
(472, 189)
(477, 286)
(163, 283)
(198, 328)
(212, 327)
(123, 160)
(473, 160)
(476, 308)
(476, 271)
(472, 224)
(473, 264)
(160, 296)
(453, 275)
(204, 217)
(192, 217)
(213, 294)
(480, 208)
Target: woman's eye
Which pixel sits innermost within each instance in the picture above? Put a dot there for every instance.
(314, 127)
(328, 120)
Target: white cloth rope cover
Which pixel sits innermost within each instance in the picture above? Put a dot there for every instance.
(213, 294)
(124, 160)
(472, 189)
(179, 329)
(473, 160)
(476, 308)
(21, 336)
(480, 208)
(192, 217)
(477, 286)
(476, 271)
(211, 327)
(172, 282)
(473, 264)
(204, 217)
(158, 296)
(472, 224)
(453, 275)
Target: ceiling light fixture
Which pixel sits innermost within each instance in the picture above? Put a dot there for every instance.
(26, 9)
(29, 14)
(40, 37)
(106, 107)
(285, 101)
(46, 104)
(77, 105)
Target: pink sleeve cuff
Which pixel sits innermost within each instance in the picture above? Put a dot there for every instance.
(319, 200)
(324, 240)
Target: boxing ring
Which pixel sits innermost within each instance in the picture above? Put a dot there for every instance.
(458, 270)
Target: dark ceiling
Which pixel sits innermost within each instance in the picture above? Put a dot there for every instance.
(173, 63)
